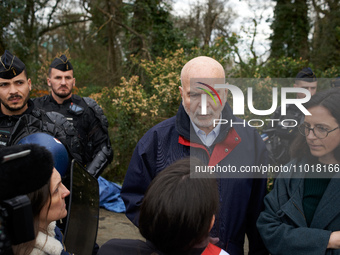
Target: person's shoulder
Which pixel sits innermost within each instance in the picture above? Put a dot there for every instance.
(77, 97)
(163, 127)
(164, 130)
(40, 100)
(166, 123)
(87, 100)
(89, 104)
(291, 170)
(125, 246)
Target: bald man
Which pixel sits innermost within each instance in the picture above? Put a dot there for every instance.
(192, 133)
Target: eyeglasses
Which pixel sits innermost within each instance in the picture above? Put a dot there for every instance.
(319, 132)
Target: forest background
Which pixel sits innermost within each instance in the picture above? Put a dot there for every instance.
(127, 55)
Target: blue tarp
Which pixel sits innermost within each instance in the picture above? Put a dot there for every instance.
(109, 196)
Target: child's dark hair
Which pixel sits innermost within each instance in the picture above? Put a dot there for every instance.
(177, 210)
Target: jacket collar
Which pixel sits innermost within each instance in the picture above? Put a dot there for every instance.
(73, 98)
(47, 243)
(184, 127)
(226, 141)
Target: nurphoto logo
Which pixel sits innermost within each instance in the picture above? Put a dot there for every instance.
(238, 99)
(239, 102)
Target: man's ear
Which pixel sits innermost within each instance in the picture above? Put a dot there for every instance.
(29, 84)
(48, 82)
(181, 90)
(226, 93)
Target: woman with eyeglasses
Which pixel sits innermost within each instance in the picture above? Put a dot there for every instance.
(302, 212)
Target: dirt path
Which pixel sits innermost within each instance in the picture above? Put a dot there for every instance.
(115, 225)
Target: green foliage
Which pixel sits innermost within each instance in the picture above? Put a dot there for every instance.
(131, 112)
(84, 73)
(291, 27)
(90, 91)
(332, 72)
(283, 67)
(326, 41)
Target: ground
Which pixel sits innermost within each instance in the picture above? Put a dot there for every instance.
(116, 225)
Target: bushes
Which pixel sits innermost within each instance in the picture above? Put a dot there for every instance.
(133, 108)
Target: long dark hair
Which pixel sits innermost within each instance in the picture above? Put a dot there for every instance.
(177, 210)
(39, 199)
(330, 99)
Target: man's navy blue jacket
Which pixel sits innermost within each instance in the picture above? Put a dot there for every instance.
(241, 199)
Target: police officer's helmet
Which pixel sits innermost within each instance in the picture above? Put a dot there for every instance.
(58, 150)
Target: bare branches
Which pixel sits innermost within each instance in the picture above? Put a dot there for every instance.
(54, 8)
(140, 36)
(62, 24)
(317, 8)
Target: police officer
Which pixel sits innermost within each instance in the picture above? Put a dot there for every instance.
(278, 137)
(84, 113)
(19, 117)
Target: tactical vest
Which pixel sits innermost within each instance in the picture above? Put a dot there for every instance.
(6, 127)
(7, 124)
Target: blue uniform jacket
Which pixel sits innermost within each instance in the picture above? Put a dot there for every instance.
(241, 200)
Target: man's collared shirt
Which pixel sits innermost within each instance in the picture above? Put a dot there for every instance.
(207, 140)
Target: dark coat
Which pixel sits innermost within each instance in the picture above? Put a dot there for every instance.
(7, 123)
(241, 199)
(283, 226)
(14, 127)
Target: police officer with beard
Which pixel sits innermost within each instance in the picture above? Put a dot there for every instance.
(84, 113)
(18, 115)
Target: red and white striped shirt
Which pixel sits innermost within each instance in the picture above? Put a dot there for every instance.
(214, 250)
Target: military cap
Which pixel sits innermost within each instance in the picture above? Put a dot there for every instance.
(61, 63)
(23, 169)
(10, 66)
(306, 74)
(335, 83)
